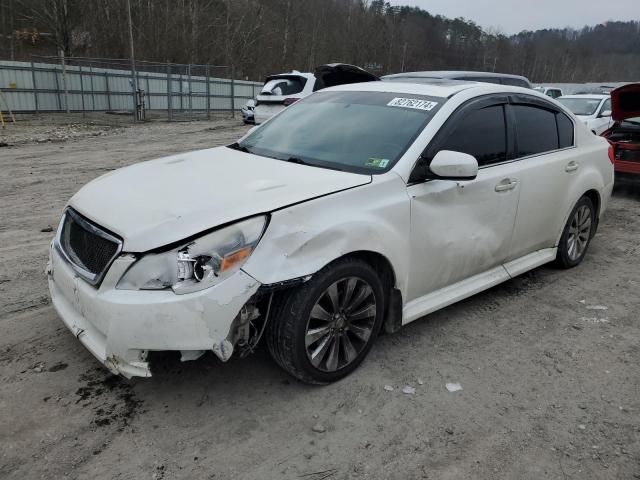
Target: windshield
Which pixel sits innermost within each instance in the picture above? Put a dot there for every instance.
(581, 106)
(362, 132)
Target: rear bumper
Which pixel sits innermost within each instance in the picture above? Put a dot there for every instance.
(120, 327)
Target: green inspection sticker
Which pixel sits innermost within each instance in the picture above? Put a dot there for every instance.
(377, 163)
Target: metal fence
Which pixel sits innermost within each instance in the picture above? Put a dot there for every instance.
(164, 90)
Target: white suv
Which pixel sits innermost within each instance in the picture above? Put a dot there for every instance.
(361, 207)
(280, 91)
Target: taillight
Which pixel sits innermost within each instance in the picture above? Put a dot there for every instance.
(290, 101)
(612, 153)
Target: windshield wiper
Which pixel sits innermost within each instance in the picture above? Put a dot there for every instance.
(240, 148)
(297, 160)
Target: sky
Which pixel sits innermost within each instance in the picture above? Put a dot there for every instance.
(513, 16)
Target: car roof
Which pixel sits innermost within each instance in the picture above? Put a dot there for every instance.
(587, 95)
(453, 73)
(444, 89)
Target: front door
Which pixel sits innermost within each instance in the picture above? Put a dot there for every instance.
(463, 228)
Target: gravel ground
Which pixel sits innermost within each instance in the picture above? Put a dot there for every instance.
(548, 363)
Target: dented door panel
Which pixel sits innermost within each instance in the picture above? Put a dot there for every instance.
(461, 228)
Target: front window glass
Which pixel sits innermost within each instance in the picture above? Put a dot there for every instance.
(481, 133)
(581, 106)
(363, 132)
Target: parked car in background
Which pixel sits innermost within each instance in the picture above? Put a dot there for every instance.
(593, 110)
(624, 134)
(434, 75)
(552, 92)
(280, 91)
(360, 207)
(248, 111)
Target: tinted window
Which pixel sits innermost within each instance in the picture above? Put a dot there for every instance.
(536, 130)
(565, 130)
(481, 133)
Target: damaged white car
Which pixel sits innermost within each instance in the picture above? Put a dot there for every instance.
(362, 207)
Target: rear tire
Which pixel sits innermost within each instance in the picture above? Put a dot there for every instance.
(577, 234)
(322, 330)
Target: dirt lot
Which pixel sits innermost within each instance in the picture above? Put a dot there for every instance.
(548, 363)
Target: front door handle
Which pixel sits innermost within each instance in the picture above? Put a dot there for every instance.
(571, 166)
(506, 184)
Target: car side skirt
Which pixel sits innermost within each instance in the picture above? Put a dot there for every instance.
(468, 287)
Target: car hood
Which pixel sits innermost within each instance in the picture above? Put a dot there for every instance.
(625, 102)
(159, 202)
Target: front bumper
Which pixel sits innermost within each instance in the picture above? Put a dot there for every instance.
(120, 327)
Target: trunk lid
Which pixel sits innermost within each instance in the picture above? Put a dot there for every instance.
(625, 102)
(333, 74)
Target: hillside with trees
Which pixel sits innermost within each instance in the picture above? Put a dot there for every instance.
(260, 37)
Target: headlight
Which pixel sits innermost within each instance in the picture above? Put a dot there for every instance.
(197, 265)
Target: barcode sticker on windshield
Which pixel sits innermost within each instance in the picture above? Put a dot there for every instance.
(412, 103)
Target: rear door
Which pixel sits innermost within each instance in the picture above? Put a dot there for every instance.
(463, 228)
(547, 163)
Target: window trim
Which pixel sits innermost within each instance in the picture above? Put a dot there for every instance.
(505, 99)
(523, 99)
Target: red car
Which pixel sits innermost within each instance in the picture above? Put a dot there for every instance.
(624, 134)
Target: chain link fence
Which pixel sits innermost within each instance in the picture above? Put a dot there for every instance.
(160, 91)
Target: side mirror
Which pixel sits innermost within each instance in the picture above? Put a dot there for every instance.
(605, 113)
(448, 165)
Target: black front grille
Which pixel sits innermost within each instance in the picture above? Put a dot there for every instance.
(87, 246)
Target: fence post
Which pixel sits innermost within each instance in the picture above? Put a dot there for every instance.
(148, 95)
(208, 89)
(181, 93)
(233, 95)
(190, 92)
(106, 82)
(58, 89)
(169, 86)
(93, 99)
(82, 90)
(35, 88)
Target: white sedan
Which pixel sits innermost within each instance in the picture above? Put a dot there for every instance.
(362, 207)
(593, 110)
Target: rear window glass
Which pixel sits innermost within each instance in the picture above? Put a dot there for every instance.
(565, 130)
(537, 131)
(283, 86)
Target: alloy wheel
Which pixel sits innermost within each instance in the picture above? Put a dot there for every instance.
(579, 232)
(340, 324)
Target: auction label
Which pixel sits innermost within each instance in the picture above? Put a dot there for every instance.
(412, 103)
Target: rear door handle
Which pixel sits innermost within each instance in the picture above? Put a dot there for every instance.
(506, 184)
(571, 166)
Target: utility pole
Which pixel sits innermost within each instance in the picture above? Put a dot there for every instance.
(134, 82)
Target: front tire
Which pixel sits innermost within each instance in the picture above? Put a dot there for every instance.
(577, 234)
(323, 330)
